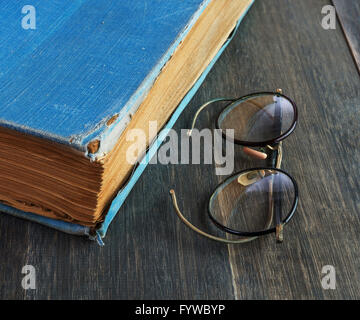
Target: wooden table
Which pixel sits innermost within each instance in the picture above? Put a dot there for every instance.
(150, 254)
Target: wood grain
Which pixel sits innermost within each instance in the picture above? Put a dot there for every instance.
(349, 16)
(149, 254)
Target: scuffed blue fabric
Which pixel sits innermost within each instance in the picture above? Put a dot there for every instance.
(63, 226)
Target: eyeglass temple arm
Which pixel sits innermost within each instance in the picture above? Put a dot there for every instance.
(202, 107)
(197, 230)
(274, 160)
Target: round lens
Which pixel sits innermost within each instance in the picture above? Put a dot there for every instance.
(258, 118)
(253, 201)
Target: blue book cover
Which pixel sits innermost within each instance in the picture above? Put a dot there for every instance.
(67, 67)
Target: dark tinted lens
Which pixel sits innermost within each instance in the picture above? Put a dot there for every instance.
(248, 201)
(258, 118)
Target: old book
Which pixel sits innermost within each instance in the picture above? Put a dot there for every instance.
(76, 77)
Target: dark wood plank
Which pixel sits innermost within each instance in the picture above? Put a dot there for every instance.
(150, 254)
(289, 49)
(349, 16)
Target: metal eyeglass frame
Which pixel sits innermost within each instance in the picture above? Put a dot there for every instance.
(274, 146)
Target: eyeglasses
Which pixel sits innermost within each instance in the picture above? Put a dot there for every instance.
(257, 201)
